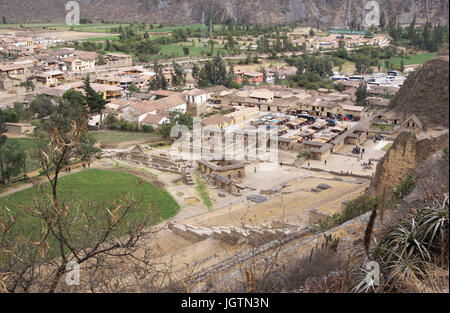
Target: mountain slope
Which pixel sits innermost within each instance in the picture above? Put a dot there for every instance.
(309, 12)
(426, 93)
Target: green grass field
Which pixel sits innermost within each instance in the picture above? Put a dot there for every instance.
(100, 185)
(110, 37)
(115, 136)
(415, 59)
(98, 27)
(194, 51)
(99, 188)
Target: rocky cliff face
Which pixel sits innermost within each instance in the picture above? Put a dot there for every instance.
(309, 12)
(405, 156)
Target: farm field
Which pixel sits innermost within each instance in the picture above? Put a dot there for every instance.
(99, 187)
(194, 51)
(115, 136)
(415, 59)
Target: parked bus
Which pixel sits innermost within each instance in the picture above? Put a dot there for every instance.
(392, 73)
(337, 78)
(356, 78)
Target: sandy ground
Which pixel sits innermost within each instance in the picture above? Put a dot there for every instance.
(65, 35)
(346, 162)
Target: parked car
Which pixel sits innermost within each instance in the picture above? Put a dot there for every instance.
(378, 75)
(331, 122)
(310, 118)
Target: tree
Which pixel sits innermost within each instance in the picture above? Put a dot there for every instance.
(42, 106)
(108, 46)
(101, 60)
(402, 66)
(111, 121)
(86, 149)
(74, 98)
(186, 50)
(213, 73)
(10, 116)
(94, 100)
(412, 32)
(28, 85)
(354, 25)
(133, 88)
(382, 21)
(230, 44)
(393, 29)
(13, 159)
(195, 72)
(362, 65)
(22, 113)
(159, 81)
(264, 72)
(165, 129)
(178, 75)
(3, 140)
(361, 94)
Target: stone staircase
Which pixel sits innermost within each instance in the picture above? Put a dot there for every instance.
(187, 177)
(249, 234)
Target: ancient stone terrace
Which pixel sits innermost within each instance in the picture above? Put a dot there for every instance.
(233, 235)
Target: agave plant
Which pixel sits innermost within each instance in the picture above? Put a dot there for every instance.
(407, 248)
(434, 223)
(403, 240)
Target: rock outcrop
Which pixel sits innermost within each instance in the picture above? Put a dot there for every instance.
(426, 93)
(404, 157)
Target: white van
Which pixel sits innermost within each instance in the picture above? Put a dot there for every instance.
(378, 75)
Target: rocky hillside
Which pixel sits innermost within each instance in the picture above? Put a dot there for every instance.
(309, 12)
(406, 155)
(425, 93)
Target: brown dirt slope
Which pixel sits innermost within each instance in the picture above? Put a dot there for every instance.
(425, 93)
